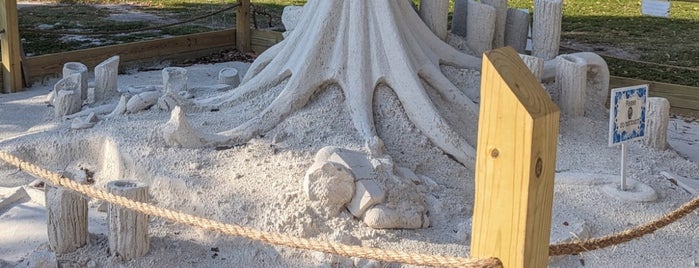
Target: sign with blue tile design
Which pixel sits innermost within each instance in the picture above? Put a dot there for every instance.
(627, 114)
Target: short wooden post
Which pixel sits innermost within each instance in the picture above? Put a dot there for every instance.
(515, 163)
(128, 230)
(66, 219)
(242, 26)
(10, 47)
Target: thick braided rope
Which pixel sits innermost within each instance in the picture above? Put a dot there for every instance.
(625, 236)
(235, 230)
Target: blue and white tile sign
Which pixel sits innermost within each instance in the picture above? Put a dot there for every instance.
(627, 114)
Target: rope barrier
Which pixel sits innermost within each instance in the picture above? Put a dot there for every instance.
(245, 232)
(625, 236)
(150, 28)
(570, 248)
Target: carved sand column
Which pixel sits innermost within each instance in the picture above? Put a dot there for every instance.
(547, 28)
(229, 76)
(658, 119)
(66, 219)
(500, 21)
(571, 77)
(67, 99)
(460, 18)
(128, 230)
(480, 27)
(174, 80)
(106, 79)
(535, 65)
(77, 68)
(517, 29)
(434, 13)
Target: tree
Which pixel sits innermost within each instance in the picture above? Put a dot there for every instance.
(357, 44)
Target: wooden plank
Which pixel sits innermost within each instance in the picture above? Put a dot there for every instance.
(515, 164)
(9, 47)
(262, 40)
(682, 97)
(242, 25)
(166, 48)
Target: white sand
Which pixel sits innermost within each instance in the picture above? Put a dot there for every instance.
(260, 184)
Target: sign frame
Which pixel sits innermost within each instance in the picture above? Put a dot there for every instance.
(631, 125)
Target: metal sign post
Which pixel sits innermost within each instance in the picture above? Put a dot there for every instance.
(627, 120)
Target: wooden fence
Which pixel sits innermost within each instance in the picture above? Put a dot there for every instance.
(182, 47)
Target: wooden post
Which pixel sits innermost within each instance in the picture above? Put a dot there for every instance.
(9, 47)
(242, 26)
(515, 163)
(128, 230)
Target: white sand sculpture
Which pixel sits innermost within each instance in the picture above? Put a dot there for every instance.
(70, 68)
(106, 79)
(67, 99)
(314, 55)
(323, 50)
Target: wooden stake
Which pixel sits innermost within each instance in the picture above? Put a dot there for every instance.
(128, 230)
(9, 47)
(516, 159)
(242, 26)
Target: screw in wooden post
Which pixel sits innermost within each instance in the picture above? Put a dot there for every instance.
(128, 230)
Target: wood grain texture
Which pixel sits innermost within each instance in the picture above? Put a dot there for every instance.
(680, 97)
(174, 48)
(10, 47)
(242, 24)
(516, 158)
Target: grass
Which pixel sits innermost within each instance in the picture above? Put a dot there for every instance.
(612, 28)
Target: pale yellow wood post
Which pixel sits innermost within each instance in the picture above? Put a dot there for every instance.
(242, 26)
(515, 165)
(9, 45)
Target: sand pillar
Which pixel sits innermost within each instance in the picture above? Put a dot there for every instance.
(500, 21)
(67, 99)
(66, 219)
(128, 230)
(547, 28)
(77, 68)
(480, 27)
(517, 29)
(106, 79)
(174, 79)
(459, 19)
(535, 64)
(571, 77)
(434, 13)
(229, 76)
(658, 119)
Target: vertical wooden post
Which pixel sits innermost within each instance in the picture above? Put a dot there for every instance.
(9, 46)
(242, 26)
(516, 159)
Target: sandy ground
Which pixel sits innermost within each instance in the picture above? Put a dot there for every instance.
(259, 184)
